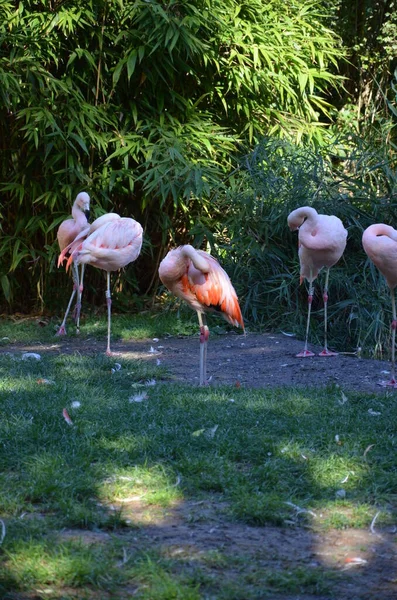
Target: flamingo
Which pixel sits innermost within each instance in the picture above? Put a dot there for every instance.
(67, 232)
(84, 232)
(197, 278)
(322, 240)
(380, 244)
(110, 243)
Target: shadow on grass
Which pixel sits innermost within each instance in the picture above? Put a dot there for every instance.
(190, 493)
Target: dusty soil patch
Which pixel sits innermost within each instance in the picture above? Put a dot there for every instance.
(254, 360)
(359, 564)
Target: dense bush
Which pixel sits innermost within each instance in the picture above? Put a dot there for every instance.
(260, 253)
(144, 104)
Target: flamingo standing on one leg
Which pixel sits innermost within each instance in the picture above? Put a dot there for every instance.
(111, 244)
(380, 244)
(322, 240)
(198, 278)
(67, 232)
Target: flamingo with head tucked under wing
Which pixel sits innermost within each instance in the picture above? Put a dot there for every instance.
(111, 243)
(197, 278)
(67, 232)
(380, 244)
(322, 241)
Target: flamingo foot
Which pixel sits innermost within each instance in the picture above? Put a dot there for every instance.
(112, 353)
(304, 354)
(61, 330)
(392, 383)
(327, 352)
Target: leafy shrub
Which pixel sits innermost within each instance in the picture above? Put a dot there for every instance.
(347, 179)
(143, 104)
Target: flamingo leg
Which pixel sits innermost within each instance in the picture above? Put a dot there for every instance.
(75, 274)
(326, 352)
(204, 335)
(78, 303)
(305, 352)
(393, 381)
(109, 305)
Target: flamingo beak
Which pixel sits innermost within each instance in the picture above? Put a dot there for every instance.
(87, 214)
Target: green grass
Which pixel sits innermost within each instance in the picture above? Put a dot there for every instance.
(123, 464)
(124, 327)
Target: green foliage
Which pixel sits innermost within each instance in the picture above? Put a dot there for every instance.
(145, 105)
(368, 29)
(348, 179)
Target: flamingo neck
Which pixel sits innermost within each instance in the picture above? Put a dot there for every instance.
(78, 215)
(197, 259)
(306, 212)
(298, 216)
(379, 229)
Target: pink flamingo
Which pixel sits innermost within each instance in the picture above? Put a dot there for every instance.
(67, 232)
(380, 244)
(111, 243)
(77, 241)
(200, 281)
(322, 240)
(88, 230)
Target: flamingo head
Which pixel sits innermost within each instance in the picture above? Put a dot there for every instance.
(294, 224)
(83, 202)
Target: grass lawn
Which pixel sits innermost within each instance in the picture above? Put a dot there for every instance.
(77, 499)
(124, 327)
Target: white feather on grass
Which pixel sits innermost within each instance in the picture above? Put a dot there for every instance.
(138, 397)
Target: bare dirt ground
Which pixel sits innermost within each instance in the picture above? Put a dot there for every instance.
(254, 360)
(357, 564)
(364, 562)
(269, 360)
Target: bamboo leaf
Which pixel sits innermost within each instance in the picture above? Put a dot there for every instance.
(117, 71)
(303, 78)
(131, 62)
(80, 141)
(6, 287)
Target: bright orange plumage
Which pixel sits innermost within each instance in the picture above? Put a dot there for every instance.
(200, 281)
(197, 278)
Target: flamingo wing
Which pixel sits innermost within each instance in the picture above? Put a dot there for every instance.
(212, 291)
(75, 242)
(112, 246)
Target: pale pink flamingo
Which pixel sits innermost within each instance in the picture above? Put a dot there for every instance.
(380, 244)
(322, 241)
(99, 222)
(67, 232)
(197, 278)
(84, 233)
(111, 243)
